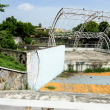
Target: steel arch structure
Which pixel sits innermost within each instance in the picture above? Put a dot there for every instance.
(86, 16)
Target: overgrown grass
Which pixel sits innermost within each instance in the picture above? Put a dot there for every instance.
(50, 87)
(9, 62)
(99, 70)
(71, 71)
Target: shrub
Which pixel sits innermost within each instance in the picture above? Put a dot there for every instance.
(98, 70)
(28, 40)
(8, 43)
(33, 42)
(22, 49)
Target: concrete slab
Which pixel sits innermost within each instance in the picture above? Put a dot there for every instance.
(86, 56)
(61, 100)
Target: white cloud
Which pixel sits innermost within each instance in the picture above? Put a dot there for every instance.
(25, 7)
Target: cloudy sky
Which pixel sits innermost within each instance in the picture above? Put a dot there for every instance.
(44, 11)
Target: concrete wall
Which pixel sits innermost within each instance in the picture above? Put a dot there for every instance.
(102, 50)
(81, 66)
(12, 79)
(44, 65)
(18, 40)
(78, 49)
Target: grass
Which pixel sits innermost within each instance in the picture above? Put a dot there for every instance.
(99, 70)
(9, 62)
(50, 87)
(71, 71)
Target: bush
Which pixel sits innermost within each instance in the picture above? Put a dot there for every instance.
(8, 43)
(28, 40)
(33, 42)
(98, 70)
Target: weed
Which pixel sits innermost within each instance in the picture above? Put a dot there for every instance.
(27, 86)
(21, 88)
(71, 71)
(50, 87)
(22, 49)
(98, 70)
(5, 87)
(74, 50)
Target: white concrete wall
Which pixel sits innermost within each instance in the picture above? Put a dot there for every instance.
(51, 64)
(44, 65)
(78, 49)
(81, 66)
(102, 50)
(18, 39)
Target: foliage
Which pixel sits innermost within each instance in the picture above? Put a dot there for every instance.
(79, 43)
(71, 71)
(92, 26)
(5, 87)
(9, 62)
(17, 27)
(63, 43)
(98, 70)
(28, 40)
(50, 87)
(8, 42)
(3, 34)
(102, 26)
(21, 88)
(2, 6)
(27, 86)
(40, 25)
(33, 42)
(77, 28)
(40, 33)
(22, 49)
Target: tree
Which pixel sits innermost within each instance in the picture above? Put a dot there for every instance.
(2, 6)
(92, 26)
(77, 28)
(40, 25)
(8, 41)
(103, 25)
(28, 40)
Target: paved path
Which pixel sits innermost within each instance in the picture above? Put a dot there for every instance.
(98, 83)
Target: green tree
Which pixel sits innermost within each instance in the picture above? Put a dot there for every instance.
(28, 40)
(2, 6)
(77, 28)
(103, 25)
(8, 41)
(40, 25)
(92, 26)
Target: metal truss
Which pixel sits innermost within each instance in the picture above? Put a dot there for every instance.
(86, 16)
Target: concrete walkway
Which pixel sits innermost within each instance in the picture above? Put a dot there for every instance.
(57, 100)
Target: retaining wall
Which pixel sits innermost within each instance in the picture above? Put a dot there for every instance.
(18, 40)
(19, 56)
(12, 79)
(81, 66)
